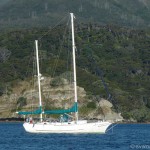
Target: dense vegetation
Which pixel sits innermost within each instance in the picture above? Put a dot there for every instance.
(26, 14)
(110, 60)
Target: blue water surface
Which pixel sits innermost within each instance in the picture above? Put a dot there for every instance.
(121, 137)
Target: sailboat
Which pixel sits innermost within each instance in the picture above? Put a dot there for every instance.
(64, 125)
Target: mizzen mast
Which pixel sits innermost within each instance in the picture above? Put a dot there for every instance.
(39, 77)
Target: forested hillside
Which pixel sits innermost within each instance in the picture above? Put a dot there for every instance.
(37, 13)
(110, 60)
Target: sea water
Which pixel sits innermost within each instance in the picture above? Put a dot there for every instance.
(121, 137)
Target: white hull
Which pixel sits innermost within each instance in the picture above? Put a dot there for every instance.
(71, 127)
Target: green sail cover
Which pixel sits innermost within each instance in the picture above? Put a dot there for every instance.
(74, 108)
(35, 112)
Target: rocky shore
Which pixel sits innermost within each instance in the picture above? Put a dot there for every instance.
(11, 119)
(23, 97)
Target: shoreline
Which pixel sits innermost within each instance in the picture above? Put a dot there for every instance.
(132, 122)
(13, 119)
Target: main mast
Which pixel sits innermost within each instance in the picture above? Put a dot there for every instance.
(39, 77)
(74, 64)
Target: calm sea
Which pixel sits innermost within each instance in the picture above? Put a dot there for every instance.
(122, 137)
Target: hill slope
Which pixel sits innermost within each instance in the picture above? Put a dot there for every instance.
(121, 54)
(36, 13)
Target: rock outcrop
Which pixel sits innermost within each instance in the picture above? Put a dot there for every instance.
(60, 96)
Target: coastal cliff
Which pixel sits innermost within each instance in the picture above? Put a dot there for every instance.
(54, 96)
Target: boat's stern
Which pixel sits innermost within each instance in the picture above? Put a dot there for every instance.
(29, 127)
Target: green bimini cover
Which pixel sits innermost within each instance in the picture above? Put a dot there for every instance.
(74, 108)
(35, 112)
